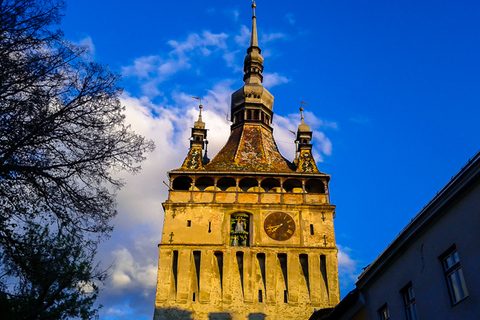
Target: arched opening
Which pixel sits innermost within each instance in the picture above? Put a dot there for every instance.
(226, 184)
(314, 186)
(203, 183)
(271, 185)
(248, 184)
(292, 186)
(182, 183)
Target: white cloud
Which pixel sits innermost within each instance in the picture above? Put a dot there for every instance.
(322, 146)
(127, 272)
(347, 268)
(267, 37)
(87, 43)
(272, 79)
(243, 39)
(195, 41)
(152, 70)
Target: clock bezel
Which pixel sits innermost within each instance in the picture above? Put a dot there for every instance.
(281, 233)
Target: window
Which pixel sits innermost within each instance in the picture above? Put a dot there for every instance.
(189, 223)
(384, 313)
(454, 276)
(409, 300)
(239, 230)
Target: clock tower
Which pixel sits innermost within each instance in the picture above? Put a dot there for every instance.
(249, 234)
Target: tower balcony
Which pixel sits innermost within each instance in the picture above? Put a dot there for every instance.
(248, 188)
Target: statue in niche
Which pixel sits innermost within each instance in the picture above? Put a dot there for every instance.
(240, 225)
(234, 241)
(243, 241)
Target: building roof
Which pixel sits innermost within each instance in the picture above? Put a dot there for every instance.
(250, 148)
(468, 176)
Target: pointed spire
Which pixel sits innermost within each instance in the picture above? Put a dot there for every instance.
(303, 127)
(199, 124)
(252, 103)
(254, 38)
(253, 65)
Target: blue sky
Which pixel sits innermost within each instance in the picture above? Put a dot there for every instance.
(393, 93)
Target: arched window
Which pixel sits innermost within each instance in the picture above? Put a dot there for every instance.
(271, 185)
(226, 184)
(203, 183)
(293, 186)
(314, 186)
(248, 184)
(182, 183)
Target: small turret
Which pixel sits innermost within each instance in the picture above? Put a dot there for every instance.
(198, 142)
(199, 133)
(304, 135)
(303, 158)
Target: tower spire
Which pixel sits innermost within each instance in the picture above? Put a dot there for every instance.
(254, 38)
(253, 64)
(252, 104)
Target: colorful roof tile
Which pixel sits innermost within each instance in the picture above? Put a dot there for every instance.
(250, 148)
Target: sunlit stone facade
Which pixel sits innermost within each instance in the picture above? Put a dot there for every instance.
(248, 235)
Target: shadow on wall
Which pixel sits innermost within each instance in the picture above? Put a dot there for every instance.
(180, 314)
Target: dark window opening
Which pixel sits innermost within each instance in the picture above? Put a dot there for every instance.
(189, 223)
(311, 229)
(209, 227)
(193, 299)
(270, 185)
(247, 184)
(225, 183)
(175, 267)
(203, 183)
(260, 296)
(182, 183)
(292, 184)
(314, 186)
(384, 312)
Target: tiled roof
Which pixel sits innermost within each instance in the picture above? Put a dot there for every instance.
(250, 148)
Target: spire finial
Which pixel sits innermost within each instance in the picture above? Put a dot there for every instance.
(254, 38)
(199, 123)
(200, 113)
(303, 126)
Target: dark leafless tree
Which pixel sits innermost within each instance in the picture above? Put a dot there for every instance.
(62, 139)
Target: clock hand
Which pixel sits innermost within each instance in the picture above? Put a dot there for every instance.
(275, 227)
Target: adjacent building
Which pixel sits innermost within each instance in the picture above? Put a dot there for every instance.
(431, 269)
(249, 234)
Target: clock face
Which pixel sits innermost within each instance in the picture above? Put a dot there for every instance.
(279, 226)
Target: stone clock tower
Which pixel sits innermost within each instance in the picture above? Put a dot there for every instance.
(248, 235)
